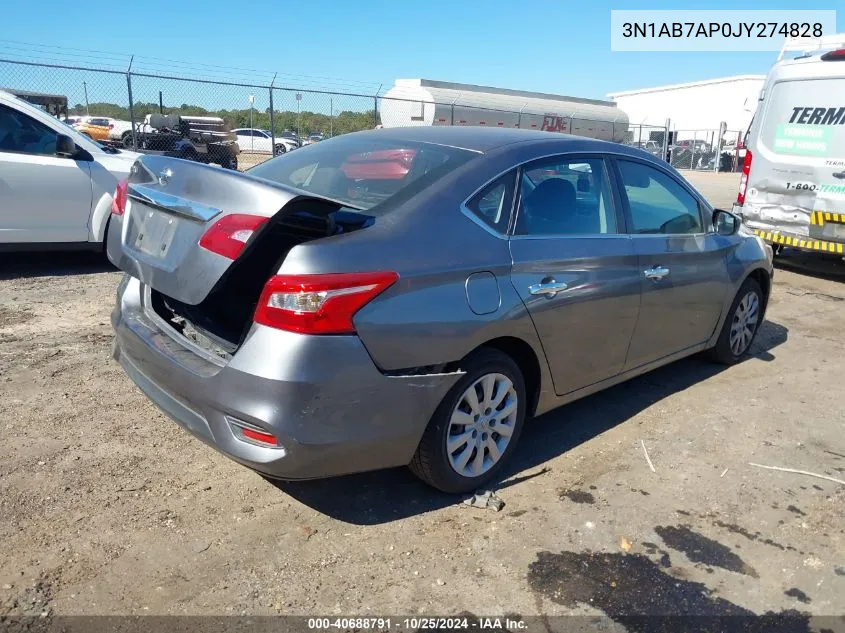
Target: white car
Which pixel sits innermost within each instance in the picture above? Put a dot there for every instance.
(255, 140)
(57, 184)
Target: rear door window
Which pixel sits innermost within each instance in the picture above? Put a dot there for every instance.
(492, 205)
(565, 196)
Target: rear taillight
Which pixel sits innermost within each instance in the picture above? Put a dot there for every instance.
(834, 56)
(118, 203)
(229, 235)
(319, 304)
(743, 181)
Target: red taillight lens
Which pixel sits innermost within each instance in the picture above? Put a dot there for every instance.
(229, 235)
(319, 304)
(834, 56)
(258, 436)
(118, 203)
(743, 180)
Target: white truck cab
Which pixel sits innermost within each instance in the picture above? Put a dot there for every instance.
(792, 188)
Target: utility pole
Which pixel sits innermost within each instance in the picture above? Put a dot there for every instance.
(251, 102)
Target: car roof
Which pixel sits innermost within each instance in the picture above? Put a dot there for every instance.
(481, 139)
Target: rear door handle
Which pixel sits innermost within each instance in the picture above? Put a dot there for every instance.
(840, 175)
(656, 273)
(547, 288)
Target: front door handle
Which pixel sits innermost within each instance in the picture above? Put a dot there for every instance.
(839, 175)
(548, 288)
(656, 273)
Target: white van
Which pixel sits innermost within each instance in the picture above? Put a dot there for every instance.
(792, 189)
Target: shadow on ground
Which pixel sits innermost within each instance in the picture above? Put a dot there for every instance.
(828, 267)
(21, 265)
(389, 495)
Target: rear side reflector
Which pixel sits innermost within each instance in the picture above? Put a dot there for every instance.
(259, 436)
(118, 203)
(319, 304)
(229, 235)
(743, 181)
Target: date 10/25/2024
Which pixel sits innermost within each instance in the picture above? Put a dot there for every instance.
(417, 623)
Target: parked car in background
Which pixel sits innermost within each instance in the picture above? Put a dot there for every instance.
(413, 295)
(57, 184)
(73, 120)
(104, 129)
(291, 136)
(94, 127)
(652, 147)
(312, 138)
(255, 140)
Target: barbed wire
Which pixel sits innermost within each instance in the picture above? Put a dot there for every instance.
(110, 60)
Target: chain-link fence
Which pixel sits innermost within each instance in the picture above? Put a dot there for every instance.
(267, 119)
(705, 150)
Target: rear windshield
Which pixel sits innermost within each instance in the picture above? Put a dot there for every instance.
(362, 172)
(805, 118)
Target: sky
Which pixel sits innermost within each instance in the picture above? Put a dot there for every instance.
(554, 46)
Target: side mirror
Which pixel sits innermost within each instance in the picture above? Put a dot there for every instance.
(725, 222)
(65, 147)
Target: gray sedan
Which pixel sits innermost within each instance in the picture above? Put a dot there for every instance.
(413, 296)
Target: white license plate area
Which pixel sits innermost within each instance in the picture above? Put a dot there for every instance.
(154, 231)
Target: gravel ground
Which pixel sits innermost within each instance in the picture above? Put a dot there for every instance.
(107, 507)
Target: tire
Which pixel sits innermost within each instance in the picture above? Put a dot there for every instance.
(126, 140)
(433, 463)
(726, 350)
(230, 162)
(280, 149)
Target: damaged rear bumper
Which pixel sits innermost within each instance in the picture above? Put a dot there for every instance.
(796, 227)
(330, 408)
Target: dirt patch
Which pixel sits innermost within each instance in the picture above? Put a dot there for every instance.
(14, 316)
(120, 512)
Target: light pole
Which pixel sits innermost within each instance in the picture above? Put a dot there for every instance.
(251, 102)
(85, 88)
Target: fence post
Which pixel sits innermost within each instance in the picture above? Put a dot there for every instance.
(718, 143)
(452, 107)
(375, 106)
(272, 120)
(331, 117)
(694, 142)
(666, 143)
(131, 106)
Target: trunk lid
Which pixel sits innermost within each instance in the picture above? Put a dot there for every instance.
(170, 205)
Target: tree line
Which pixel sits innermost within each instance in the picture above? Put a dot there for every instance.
(304, 123)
